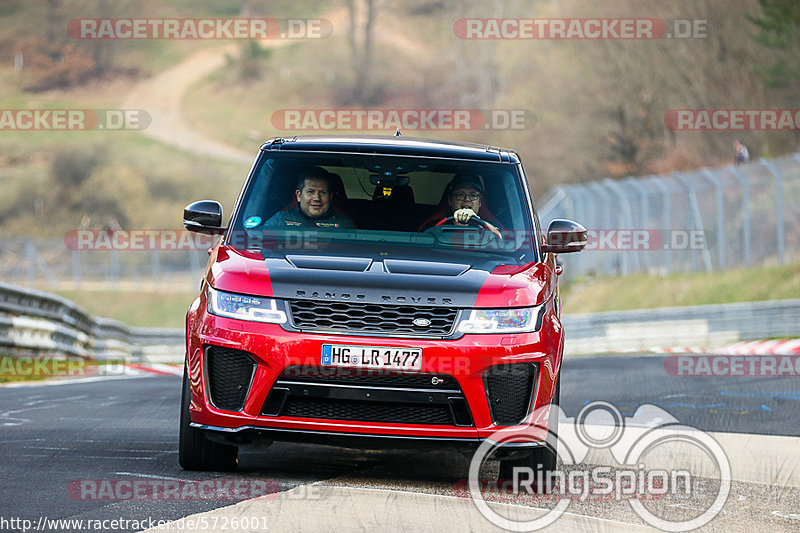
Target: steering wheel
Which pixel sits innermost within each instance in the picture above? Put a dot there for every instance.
(476, 220)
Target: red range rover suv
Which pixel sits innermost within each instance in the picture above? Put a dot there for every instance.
(375, 291)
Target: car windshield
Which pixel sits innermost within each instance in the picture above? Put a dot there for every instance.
(351, 202)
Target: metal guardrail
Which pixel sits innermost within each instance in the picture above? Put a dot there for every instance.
(38, 322)
(708, 326)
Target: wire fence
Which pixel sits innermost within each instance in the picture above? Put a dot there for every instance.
(707, 220)
(50, 264)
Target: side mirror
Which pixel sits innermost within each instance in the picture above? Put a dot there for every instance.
(565, 236)
(204, 216)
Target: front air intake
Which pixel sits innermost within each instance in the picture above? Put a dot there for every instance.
(230, 373)
(509, 389)
(368, 395)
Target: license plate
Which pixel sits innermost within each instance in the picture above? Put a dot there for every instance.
(387, 357)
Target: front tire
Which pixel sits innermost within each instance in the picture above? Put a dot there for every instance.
(195, 450)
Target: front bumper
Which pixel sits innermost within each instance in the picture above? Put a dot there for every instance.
(273, 349)
(251, 434)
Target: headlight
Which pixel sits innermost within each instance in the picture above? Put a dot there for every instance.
(243, 307)
(522, 320)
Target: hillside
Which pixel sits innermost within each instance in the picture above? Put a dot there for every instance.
(591, 108)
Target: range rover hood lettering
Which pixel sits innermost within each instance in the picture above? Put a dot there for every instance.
(364, 280)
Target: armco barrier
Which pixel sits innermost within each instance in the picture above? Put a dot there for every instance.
(708, 326)
(33, 321)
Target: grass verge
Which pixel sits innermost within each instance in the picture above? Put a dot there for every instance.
(646, 292)
(135, 308)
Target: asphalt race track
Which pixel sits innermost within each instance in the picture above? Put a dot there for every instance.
(53, 436)
(759, 405)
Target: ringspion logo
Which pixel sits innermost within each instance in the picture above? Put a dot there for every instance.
(639, 476)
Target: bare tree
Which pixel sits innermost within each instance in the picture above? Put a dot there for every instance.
(362, 19)
(476, 76)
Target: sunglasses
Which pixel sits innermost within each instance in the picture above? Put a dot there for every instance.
(463, 196)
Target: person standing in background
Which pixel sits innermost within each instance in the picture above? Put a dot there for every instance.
(741, 154)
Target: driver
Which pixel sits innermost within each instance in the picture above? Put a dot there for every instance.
(314, 195)
(464, 198)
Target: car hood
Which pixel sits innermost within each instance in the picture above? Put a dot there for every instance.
(435, 283)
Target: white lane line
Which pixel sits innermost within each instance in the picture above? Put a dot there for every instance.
(127, 441)
(151, 476)
(9, 420)
(115, 449)
(142, 451)
(689, 507)
(118, 458)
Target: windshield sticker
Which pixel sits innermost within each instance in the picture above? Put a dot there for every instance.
(252, 222)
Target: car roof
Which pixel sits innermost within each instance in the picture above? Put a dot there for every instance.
(392, 145)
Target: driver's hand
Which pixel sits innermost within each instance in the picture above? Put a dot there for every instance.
(462, 216)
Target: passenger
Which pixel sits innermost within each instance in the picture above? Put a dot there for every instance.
(464, 195)
(314, 195)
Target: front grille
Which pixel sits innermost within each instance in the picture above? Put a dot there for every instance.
(368, 395)
(229, 375)
(510, 389)
(347, 317)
